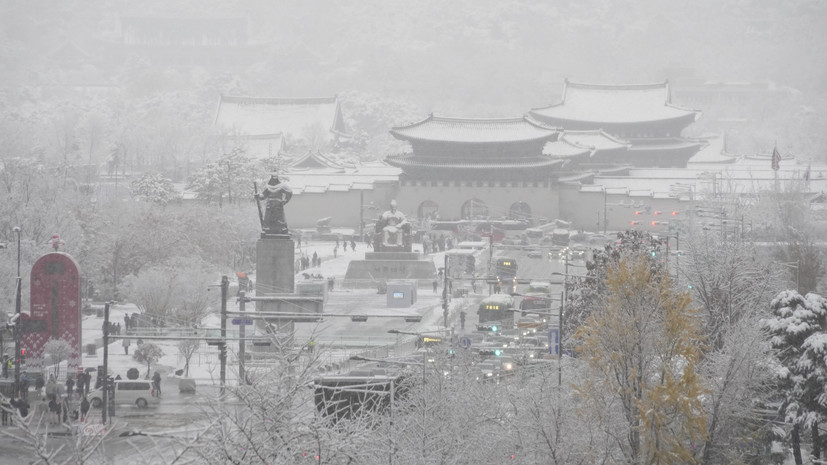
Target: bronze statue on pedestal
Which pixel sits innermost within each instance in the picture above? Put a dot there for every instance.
(275, 194)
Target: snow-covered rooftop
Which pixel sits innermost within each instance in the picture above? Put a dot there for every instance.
(292, 117)
(614, 104)
(476, 130)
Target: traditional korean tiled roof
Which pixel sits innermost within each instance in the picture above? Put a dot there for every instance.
(315, 160)
(714, 151)
(475, 130)
(411, 161)
(363, 177)
(596, 140)
(289, 116)
(613, 104)
(566, 149)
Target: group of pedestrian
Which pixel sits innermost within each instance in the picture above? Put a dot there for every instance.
(130, 322)
(344, 245)
(305, 262)
(9, 406)
(84, 380)
(114, 328)
(436, 244)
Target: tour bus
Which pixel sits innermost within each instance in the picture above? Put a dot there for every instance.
(496, 308)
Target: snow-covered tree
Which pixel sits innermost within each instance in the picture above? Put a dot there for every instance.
(172, 293)
(187, 348)
(643, 345)
(798, 332)
(154, 188)
(57, 350)
(149, 354)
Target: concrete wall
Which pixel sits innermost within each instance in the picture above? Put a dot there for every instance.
(341, 206)
(564, 201)
(543, 201)
(586, 210)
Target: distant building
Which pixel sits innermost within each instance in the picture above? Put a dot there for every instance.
(268, 126)
(468, 168)
(642, 114)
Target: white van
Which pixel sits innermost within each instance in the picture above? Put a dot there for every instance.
(128, 391)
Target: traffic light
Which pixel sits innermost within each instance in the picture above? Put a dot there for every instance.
(494, 328)
(638, 213)
(657, 212)
(634, 223)
(488, 352)
(654, 223)
(674, 213)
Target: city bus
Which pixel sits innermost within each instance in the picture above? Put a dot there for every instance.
(505, 268)
(496, 308)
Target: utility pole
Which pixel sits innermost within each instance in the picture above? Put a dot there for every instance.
(445, 293)
(17, 299)
(362, 215)
(560, 337)
(105, 406)
(225, 286)
(563, 298)
(242, 300)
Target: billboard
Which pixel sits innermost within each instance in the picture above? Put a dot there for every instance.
(55, 311)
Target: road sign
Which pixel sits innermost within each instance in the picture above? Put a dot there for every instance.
(553, 341)
(240, 321)
(465, 342)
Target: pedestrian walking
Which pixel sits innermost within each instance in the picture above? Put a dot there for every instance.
(156, 383)
(84, 408)
(126, 343)
(38, 386)
(24, 386)
(344, 245)
(336, 250)
(70, 385)
(353, 245)
(126, 322)
(51, 388)
(436, 284)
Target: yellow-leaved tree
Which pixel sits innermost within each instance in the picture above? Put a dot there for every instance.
(643, 343)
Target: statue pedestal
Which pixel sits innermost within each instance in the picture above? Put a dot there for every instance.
(275, 290)
(275, 260)
(379, 267)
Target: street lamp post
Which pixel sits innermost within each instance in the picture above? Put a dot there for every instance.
(563, 298)
(17, 298)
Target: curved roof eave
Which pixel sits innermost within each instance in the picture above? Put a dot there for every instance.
(532, 130)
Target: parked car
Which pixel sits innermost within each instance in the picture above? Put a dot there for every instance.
(128, 391)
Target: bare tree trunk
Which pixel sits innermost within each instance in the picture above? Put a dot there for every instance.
(796, 443)
(816, 453)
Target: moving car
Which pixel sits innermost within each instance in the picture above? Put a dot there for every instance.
(128, 391)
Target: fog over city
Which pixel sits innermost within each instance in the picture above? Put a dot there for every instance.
(386, 231)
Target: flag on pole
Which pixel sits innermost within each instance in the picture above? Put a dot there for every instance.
(776, 159)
